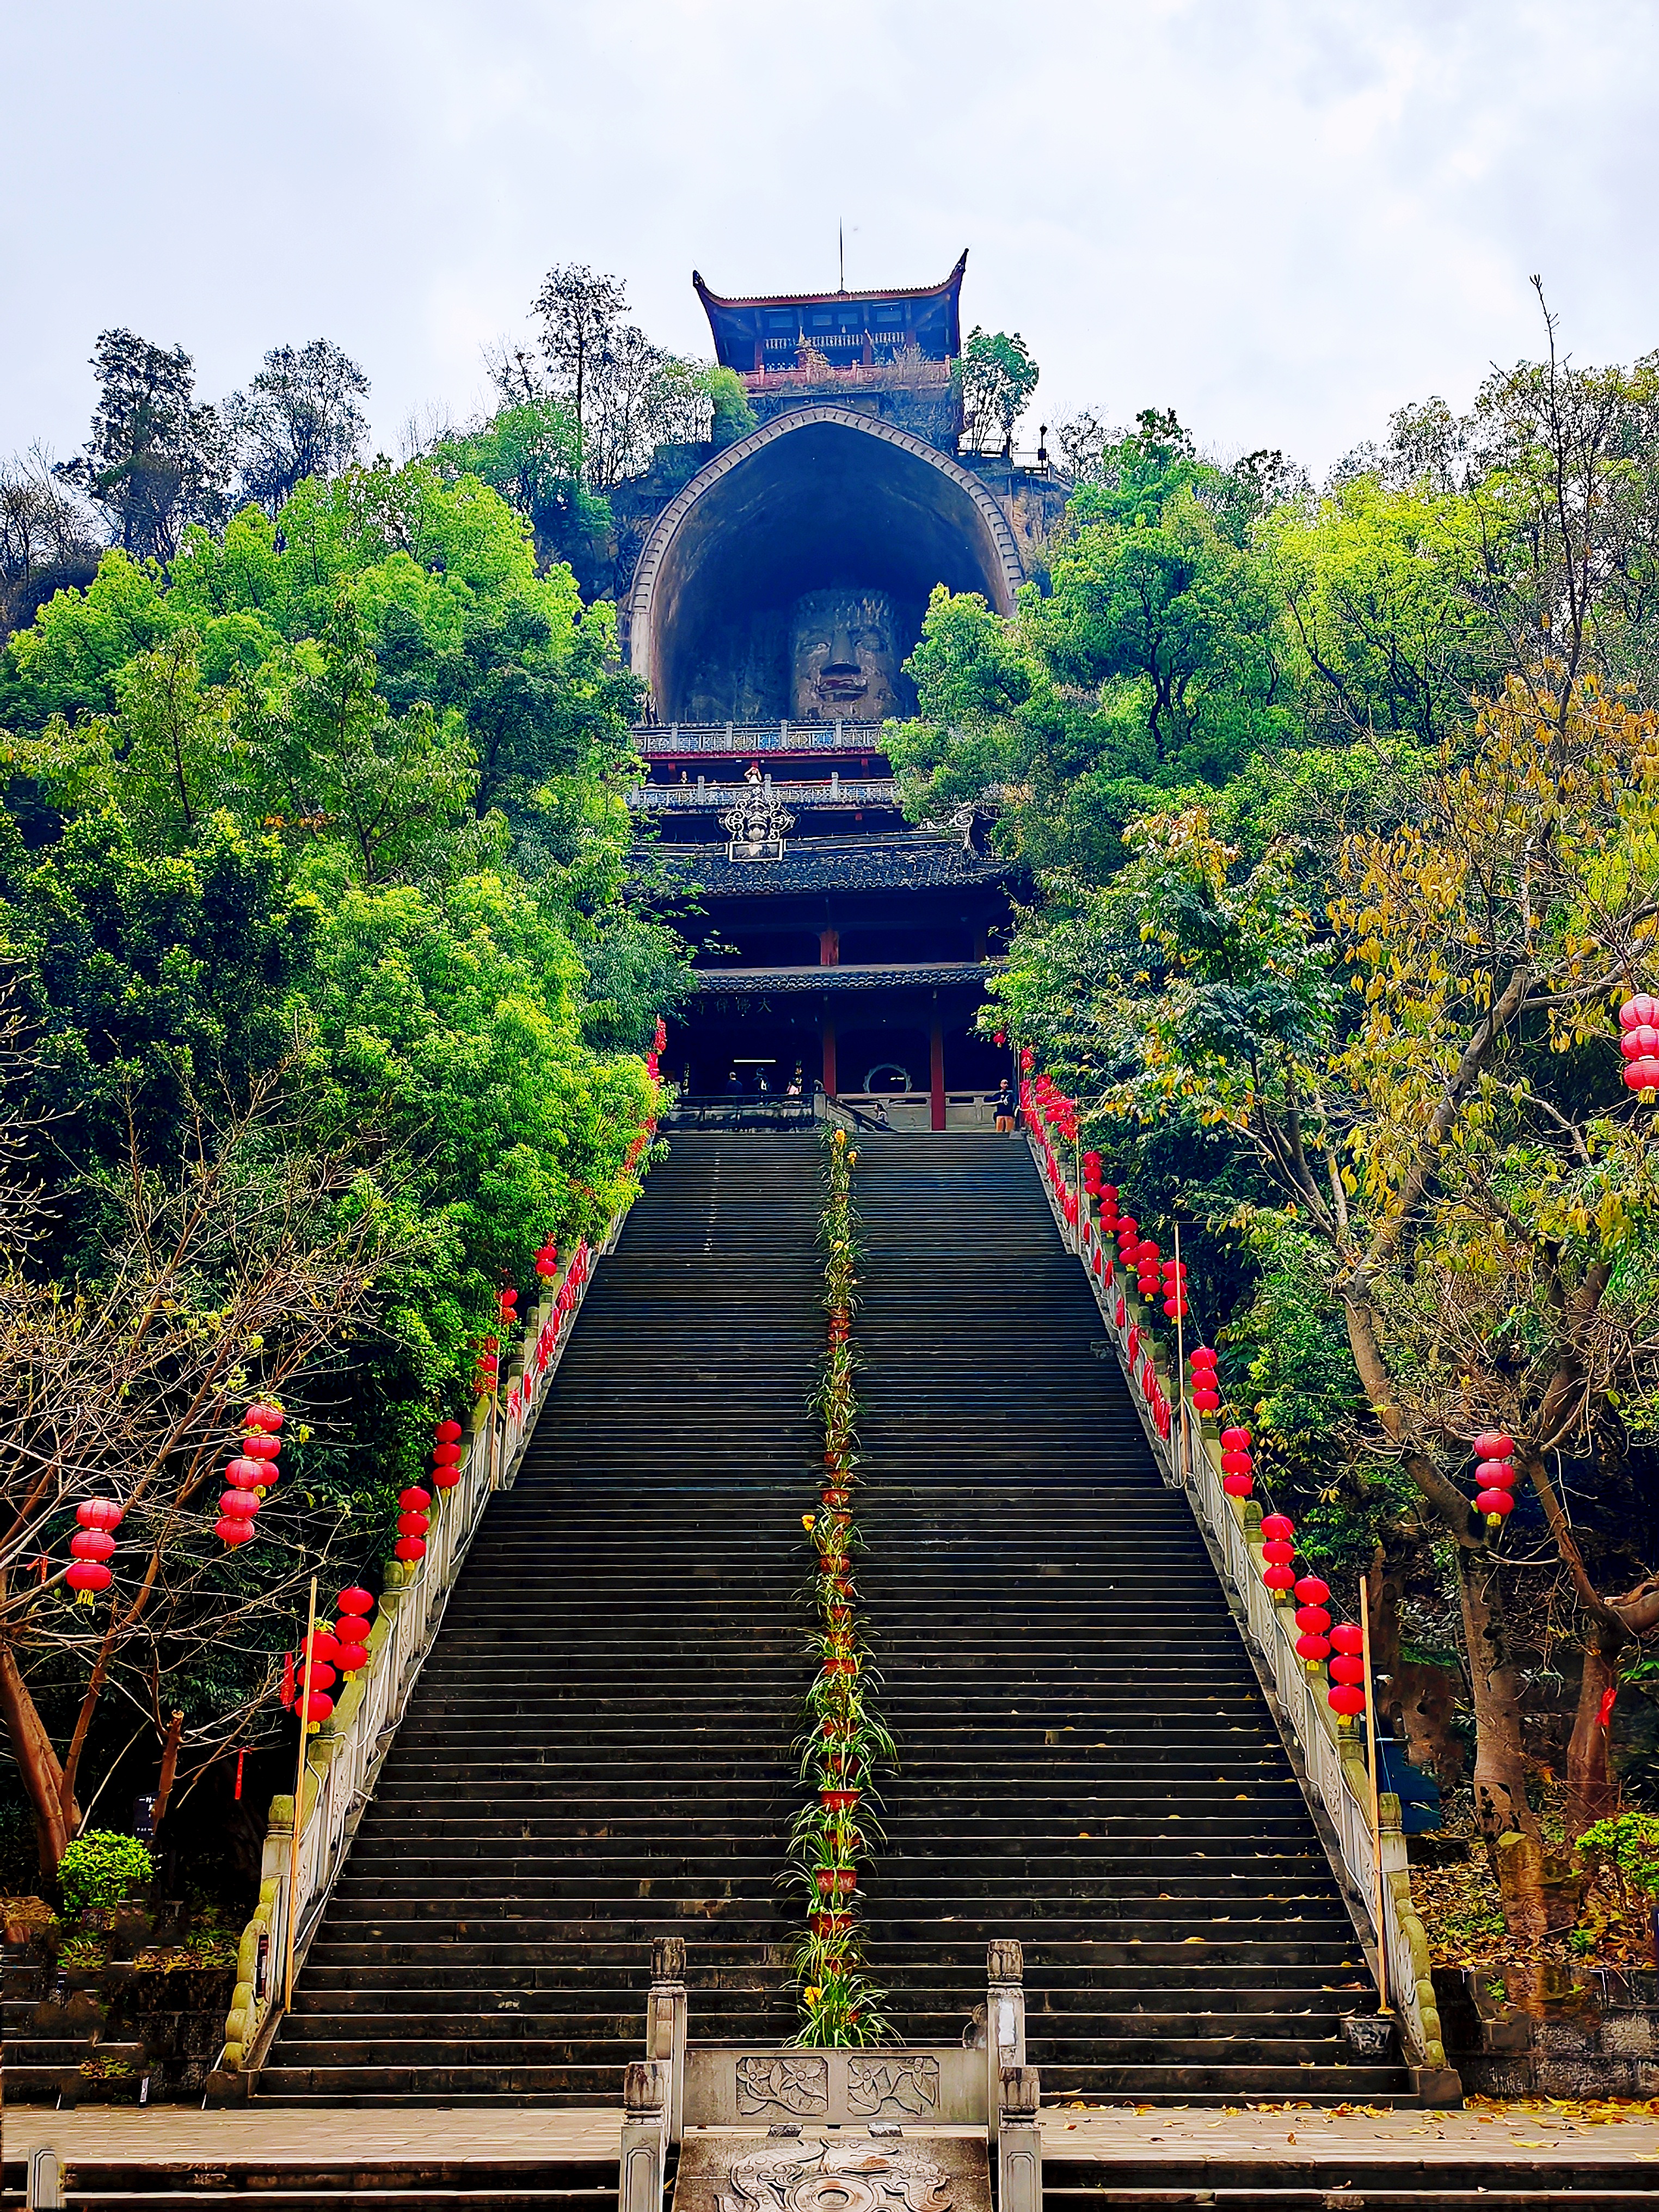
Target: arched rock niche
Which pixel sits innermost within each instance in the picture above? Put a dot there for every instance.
(820, 498)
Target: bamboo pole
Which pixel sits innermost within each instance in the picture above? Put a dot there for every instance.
(1376, 1818)
(1184, 1446)
(299, 1802)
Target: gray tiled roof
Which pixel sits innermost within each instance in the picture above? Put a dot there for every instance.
(896, 975)
(823, 864)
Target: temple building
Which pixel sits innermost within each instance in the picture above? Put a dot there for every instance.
(777, 592)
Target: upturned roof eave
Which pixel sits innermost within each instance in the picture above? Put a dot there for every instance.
(944, 290)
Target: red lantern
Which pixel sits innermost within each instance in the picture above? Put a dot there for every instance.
(1312, 1591)
(1492, 1443)
(92, 1543)
(1642, 1074)
(86, 1577)
(1346, 1668)
(1027, 1058)
(1344, 1699)
(1312, 1646)
(324, 1644)
(318, 1708)
(1235, 1439)
(448, 1432)
(232, 1532)
(1640, 1044)
(1236, 1462)
(1494, 1504)
(1278, 1552)
(446, 1455)
(258, 1445)
(1496, 1474)
(1238, 1485)
(1314, 1619)
(100, 1513)
(1279, 1579)
(1350, 1640)
(245, 1473)
(412, 1524)
(263, 1417)
(409, 1548)
(1277, 1527)
(351, 1631)
(355, 1600)
(414, 1500)
(1638, 1012)
(1207, 1402)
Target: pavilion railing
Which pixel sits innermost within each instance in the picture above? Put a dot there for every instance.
(710, 798)
(757, 737)
(1334, 1759)
(343, 1760)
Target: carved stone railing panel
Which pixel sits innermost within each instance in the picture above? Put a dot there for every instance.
(732, 2086)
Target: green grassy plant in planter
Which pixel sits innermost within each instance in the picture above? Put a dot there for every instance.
(844, 1741)
(102, 1869)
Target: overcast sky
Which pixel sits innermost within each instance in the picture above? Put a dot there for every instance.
(1282, 217)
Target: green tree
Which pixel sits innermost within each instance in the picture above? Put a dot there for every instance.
(333, 761)
(994, 376)
(155, 460)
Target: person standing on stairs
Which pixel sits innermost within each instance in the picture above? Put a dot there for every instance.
(1005, 1106)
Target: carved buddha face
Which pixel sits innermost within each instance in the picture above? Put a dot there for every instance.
(844, 657)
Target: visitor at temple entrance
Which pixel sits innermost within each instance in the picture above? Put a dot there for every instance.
(1005, 1106)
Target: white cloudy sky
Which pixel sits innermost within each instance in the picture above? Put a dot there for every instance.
(1282, 217)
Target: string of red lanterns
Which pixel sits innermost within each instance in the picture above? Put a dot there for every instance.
(250, 1474)
(1494, 1472)
(1200, 1368)
(1237, 1467)
(92, 1548)
(1316, 1640)
(447, 1455)
(1638, 1040)
(336, 1647)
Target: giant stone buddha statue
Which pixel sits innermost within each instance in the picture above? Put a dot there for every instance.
(844, 657)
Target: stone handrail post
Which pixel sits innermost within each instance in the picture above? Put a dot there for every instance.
(1019, 2140)
(664, 2024)
(642, 2169)
(1005, 2019)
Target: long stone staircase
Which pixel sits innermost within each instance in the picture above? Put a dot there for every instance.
(598, 1751)
(1088, 1763)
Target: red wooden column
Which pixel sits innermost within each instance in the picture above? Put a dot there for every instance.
(936, 1071)
(827, 1040)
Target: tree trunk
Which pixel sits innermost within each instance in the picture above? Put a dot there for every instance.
(1589, 1777)
(169, 1766)
(55, 1822)
(1500, 1777)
